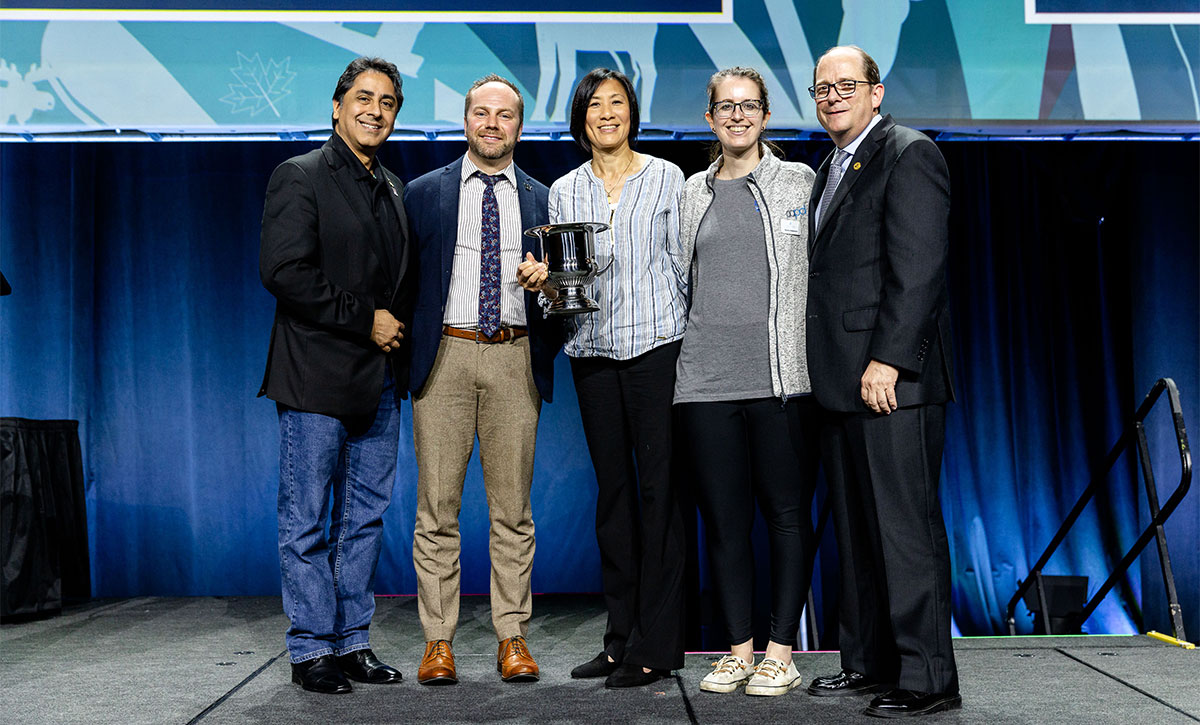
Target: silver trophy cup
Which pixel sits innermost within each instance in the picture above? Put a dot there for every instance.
(569, 251)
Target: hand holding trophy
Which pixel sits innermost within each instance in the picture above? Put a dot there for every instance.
(569, 257)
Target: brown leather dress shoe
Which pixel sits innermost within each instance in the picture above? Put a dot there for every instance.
(437, 666)
(514, 662)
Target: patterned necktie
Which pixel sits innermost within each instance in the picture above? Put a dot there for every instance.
(489, 260)
(835, 175)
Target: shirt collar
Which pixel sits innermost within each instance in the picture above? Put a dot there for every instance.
(469, 169)
(853, 145)
(355, 164)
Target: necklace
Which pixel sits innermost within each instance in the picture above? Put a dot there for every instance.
(620, 180)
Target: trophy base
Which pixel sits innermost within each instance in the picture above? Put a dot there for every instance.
(571, 301)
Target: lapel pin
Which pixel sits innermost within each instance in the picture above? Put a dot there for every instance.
(528, 186)
(857, 165)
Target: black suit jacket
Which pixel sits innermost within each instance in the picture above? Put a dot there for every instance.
(877, 263)
(432, 202)
(321, 257)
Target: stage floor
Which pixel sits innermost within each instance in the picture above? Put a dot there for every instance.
(221, 660)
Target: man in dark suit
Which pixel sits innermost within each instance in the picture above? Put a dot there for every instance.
(878, 329)
(482, 362)
(335, 255)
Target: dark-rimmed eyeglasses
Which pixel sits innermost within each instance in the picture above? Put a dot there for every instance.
(724, 109)
(845, 89)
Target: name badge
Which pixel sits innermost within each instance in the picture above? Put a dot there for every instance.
(791, 226)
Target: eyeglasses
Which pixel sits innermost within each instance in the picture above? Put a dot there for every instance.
(845, 89)
(724, 109)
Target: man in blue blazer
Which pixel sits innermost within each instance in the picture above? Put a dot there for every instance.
(482, 362)
(878, 327)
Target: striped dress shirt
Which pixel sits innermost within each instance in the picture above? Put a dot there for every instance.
(643, 295)
(462, 305)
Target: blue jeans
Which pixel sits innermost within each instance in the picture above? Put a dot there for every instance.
(335, 473)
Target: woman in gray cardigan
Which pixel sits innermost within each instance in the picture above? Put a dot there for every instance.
(742, 388)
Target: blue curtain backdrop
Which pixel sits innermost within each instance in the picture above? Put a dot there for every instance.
(138, 311)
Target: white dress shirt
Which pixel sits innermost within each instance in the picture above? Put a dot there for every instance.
(462, 305)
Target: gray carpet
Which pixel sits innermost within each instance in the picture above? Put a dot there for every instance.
(221, 660)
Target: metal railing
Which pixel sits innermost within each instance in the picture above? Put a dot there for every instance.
(1134, 434)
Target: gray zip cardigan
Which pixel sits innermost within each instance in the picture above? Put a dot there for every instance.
(781, 190)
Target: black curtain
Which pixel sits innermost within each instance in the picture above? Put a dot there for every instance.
(43, 530)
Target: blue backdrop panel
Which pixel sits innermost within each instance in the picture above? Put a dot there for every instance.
(1165, 265)
(137, 310)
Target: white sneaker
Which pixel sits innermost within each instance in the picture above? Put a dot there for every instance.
(772, 677)
(729, 673)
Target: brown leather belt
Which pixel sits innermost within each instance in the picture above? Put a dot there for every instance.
(504, 334)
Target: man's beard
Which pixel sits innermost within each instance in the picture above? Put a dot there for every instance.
(494, 152)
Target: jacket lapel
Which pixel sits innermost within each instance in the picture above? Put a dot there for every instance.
(529, 218)
(451, 184)
(814, 200)
(858, 163)
(394, 187)
(529, 215)
(343, 176)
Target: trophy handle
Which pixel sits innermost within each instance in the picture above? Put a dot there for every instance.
(601, 270)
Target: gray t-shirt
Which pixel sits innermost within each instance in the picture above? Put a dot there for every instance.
(725, 353)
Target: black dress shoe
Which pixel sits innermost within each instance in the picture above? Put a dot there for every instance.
(846, 682)
(363, 666)
(321, 675)
(598, 666)
(628, 675)
(909, 703)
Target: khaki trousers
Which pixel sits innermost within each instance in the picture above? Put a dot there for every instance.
(485, 390)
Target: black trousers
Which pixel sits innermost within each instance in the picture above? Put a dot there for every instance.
(744, 451)
(883, 473)
(626, 410)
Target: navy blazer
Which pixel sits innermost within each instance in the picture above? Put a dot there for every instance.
(432, 203)
(321, 258)
(877, 266)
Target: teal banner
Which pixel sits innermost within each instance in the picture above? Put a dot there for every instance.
(947, 64)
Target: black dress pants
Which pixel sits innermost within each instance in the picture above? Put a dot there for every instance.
(626, 410)
(743, 451)
(883, 473)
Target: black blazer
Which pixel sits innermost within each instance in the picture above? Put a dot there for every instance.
(432, 202)
(321, 257)
(877, 263)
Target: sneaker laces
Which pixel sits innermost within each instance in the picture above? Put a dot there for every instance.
(770, 668)
(728, 664)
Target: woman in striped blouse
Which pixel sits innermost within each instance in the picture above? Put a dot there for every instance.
(623, 362)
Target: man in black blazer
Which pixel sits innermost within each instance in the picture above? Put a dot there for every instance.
(482, 362)
(879, 358)
(335, 254)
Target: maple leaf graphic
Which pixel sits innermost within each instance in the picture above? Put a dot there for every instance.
(260, 86)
